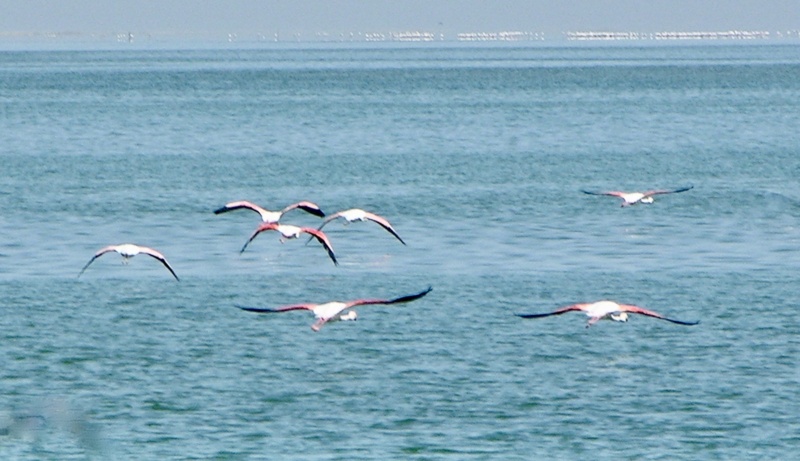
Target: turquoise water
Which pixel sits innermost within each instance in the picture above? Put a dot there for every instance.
(477, 156)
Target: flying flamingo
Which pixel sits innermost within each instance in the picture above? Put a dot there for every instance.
(293, 232)
(335, 310)
(608, 310)
(271, 216)
(129, 250)
(355, 214)
(632, 198)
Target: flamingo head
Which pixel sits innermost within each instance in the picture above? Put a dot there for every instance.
(647, 200)
(350, 315)
(619, 316)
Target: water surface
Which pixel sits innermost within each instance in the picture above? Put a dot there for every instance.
(478, 157)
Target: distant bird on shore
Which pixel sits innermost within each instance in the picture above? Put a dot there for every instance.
(271, 216)
(335, 310)
(292, 232)
(632, 198)
(356, 214)
(608, 310)
(129, 250)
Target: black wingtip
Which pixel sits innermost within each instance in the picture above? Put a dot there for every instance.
(681, 322)
(220, 210)
(407, 298)
(532, 316)
(258, 310)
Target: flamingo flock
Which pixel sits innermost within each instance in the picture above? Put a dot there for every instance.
(343, 310)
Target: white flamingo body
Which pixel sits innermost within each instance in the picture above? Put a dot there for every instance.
(268, 216)
(606, 310)
(357, 214)
(288, 231)
(632, 198)
(336, 310)
(129, 250)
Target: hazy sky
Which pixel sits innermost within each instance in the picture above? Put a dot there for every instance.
(246, 17)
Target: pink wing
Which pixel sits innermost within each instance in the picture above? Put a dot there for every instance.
(401, 299)
(667, 191)
(240, 204)
(99, 253)
(384, 223)
(261, 228)
(308, 207)
(649, 313)
(160, 257)
(105, 250)
(326, 221)
(323, 239)
(329, 219)
(612, 193)
(293, 307)
(574, 307)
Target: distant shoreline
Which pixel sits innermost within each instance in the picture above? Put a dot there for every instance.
(56, 40)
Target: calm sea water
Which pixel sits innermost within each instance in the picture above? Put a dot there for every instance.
(477, 156)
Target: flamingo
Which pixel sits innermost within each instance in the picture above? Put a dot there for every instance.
(292, 232)
(608, 310)
(129, 250)
(632, 198)
(356, 214)
(271, 216)
(335, 310)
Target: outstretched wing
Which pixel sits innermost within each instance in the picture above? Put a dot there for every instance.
(612, 193)
(574, 307)
(323, 239)
(99, 253)
(384, 223)
(401, 299)
(160, 257)
(649, 313)
(264, 310)
(261, 228)
(329, 219)
(308, 207)
(239, 205)
(667, 191)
